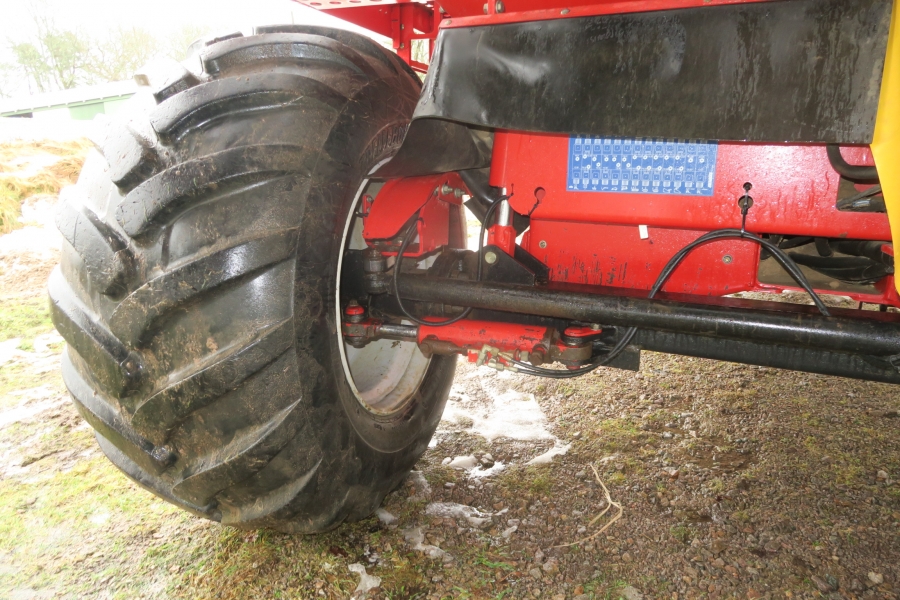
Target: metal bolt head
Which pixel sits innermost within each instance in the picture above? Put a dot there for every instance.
(163, 455)
(490, 258)
(446, 189)
(485, 8)
(727, 259)
(499, 7)
(542, 244)
(564, 11)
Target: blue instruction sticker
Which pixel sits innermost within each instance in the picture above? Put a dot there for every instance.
(642, 166)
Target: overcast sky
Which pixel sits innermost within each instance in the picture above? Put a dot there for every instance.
(162, 18)
(158, 16)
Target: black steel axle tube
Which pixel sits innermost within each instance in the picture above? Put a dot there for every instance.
(787, 326)
(810, 360)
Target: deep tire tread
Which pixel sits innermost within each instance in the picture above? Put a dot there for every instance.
(162, 196)
(243, 456)
(256, 92)
(153, 300)
(294, 47)
(116, 367)
(107, 259)
(200, 349)
(160, 413)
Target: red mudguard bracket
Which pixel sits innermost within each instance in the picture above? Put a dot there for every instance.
(398, 200)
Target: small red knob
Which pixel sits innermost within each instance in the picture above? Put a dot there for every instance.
(354, 309)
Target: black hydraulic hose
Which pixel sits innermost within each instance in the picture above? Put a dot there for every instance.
(857, 173)
(484, 196)
(410, 234)
(720, 234)
(481, 192)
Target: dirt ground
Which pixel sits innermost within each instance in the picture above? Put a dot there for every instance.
(732, 482)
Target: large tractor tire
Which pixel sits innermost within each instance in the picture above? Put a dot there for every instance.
(199, 285)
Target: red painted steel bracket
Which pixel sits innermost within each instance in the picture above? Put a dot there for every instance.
(399, 199)
(496, 344)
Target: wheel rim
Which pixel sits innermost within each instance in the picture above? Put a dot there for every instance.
(384, 375)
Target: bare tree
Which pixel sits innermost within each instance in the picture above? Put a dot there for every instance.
(55, 59)
(121, 54)
(179, 41)
(8, 80)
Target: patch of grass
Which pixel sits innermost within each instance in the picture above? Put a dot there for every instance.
(613, 434)
(24, 318)
(15, 187)
(485, 560)
(740, 516)
(616, 478)
(21, 377)
(681, 533)
(716, 485)
(10, 209)
(541, 483)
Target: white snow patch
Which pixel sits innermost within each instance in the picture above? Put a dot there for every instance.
(9, 350)
(42, 342)
(45, 242)
(511, 415)
(366, 581)
(415, 538)
(482, 472)
(99, 518)
(40, 210)
(547, 457)
(509, 531)
(29, 408)
(385, 517)
(418, 481)
(466, 463)
(460, 512)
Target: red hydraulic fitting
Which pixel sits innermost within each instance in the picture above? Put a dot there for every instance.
(355, 313)
(576, 336)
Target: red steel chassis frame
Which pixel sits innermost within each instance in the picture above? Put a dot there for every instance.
(593, 238)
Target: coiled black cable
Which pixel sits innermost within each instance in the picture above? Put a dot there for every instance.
(410, 231)
(720, 234)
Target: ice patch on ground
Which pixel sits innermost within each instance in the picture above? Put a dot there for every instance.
(460, 512)
(487, 472)
(419, 484)
(39, 235)
(415, 538)
(547, 457)
(100, 518)
(466, 463)
(9, 350)
(34, 402)
(511, 415)
(41, 129)
(385, 517)
(366, 581)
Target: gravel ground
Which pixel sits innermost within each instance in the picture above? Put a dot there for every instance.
(732, 482)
